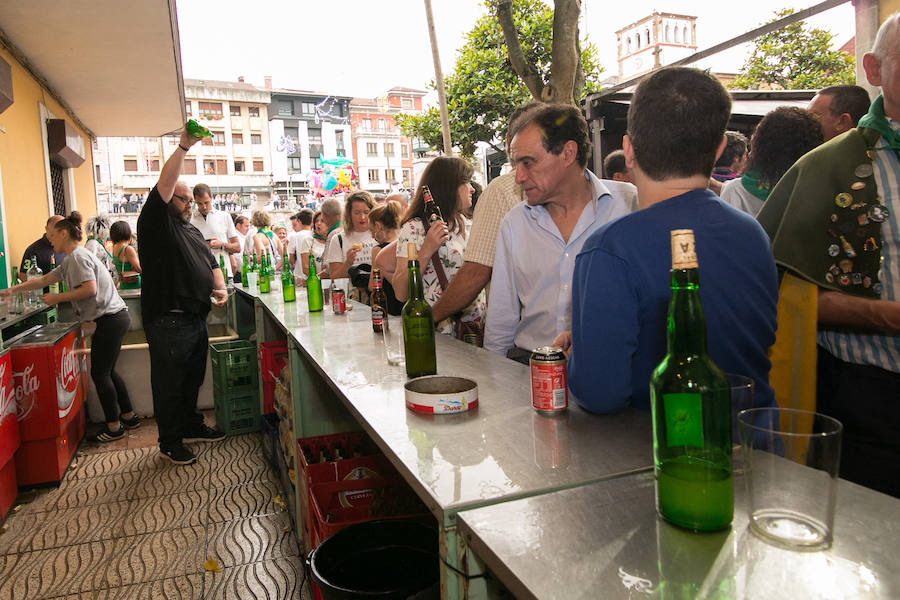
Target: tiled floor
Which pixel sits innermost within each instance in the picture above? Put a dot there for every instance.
(125, 523)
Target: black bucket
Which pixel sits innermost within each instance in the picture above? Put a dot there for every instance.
(378, 559)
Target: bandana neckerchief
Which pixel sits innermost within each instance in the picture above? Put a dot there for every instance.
(750, 181)
(875, 119)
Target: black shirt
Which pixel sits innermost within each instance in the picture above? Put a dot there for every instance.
(176, 263)
(43, 250)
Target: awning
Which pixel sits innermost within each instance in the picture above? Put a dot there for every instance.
(116, 65)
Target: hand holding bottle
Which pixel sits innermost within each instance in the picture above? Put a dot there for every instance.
(437, 234)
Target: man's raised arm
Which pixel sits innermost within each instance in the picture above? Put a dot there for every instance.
(171, 171)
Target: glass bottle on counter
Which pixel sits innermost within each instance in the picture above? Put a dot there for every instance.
(378, 302)
(691, 409)
(54, 287)
(288, 291)
(245, 268)
(264, 287)
(418, 326)
(35, 272)
(224, 271)
(313, 287)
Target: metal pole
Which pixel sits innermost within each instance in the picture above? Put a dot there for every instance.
(439, 80)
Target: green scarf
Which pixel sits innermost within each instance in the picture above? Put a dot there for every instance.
(875, 119)
(750, 181)
(333, 227)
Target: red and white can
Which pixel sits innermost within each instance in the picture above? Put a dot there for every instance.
(549, 390)
(338, 301)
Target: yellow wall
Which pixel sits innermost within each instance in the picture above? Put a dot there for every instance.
(23, 167)
(886, 8)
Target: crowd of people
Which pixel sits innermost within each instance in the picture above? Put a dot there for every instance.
(795, 222)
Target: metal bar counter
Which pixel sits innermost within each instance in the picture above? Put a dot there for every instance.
(502, 449)
(605, 541)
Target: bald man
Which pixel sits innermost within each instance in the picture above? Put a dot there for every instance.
(180, 280)
(42, 250)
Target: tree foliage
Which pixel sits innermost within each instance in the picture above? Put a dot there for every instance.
(483, 88)
(795, 57)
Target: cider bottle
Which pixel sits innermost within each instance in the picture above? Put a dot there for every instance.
(690, 402)
(418, 325)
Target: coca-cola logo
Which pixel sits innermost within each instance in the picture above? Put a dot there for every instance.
(68, 369)
(7, 393)
(66, 380)
(26, 386)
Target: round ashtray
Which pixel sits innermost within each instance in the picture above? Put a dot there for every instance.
(439, 394)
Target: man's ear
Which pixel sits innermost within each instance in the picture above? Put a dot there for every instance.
(628, 149)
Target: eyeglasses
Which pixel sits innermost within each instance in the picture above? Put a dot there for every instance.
(183, 199)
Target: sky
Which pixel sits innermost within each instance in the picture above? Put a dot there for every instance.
(362, 48)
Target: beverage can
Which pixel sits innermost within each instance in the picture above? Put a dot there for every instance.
(338, 301)
(549, 391)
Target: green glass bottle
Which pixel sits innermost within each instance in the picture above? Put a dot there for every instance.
(418, 325)
(264, 287)
(245, 268)
(224, 270)
(313, 287)
(15, 277)
(270, 268)
(288, 291)
(691, 407)
(197, 130)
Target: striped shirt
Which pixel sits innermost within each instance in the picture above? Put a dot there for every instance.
(878, 350)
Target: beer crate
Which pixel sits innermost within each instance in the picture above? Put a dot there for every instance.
(234, 367)
(339, 504)
(237, 412)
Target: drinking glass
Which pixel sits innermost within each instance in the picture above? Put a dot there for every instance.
(393, 342)
(791, 460)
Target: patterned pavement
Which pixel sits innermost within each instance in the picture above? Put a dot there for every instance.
(126, 523)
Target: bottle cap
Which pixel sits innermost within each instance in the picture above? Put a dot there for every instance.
(411, 252)
(684, 253)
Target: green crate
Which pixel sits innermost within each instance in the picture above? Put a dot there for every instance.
(234, 366)
(237, 412)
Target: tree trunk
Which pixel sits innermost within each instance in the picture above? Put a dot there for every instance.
(565, 58)
(439, 80)
(525, 70)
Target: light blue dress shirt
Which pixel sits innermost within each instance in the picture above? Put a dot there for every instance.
(531, 297)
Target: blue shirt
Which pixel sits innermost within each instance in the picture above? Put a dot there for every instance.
(531, 296)
(621, 292)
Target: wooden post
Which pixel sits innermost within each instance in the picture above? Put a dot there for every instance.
(439, 80)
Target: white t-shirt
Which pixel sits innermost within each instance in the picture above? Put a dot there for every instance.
(336, 250)
(217, 225)
(296, 240)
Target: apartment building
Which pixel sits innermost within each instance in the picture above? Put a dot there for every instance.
(304, 125)
(235, 160)
(382, 154)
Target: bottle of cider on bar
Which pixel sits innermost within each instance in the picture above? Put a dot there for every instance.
(418, 326)
(288, 292)
(313, 287)
(245, 268)
(691, 408)
(379, 303)
(264, 287)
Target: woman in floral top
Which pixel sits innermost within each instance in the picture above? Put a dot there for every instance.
(448, 179)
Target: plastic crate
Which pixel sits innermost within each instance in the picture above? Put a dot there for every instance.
(340, 504)
(271, 441)
(234, 366)
(237, 412)
(273, 356)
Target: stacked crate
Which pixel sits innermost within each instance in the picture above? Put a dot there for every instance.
(235, 386)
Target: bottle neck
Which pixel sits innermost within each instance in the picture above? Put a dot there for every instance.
(686, 326)
(312, 265)
(415, 290)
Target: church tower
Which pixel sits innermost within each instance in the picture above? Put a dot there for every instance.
(655, 41)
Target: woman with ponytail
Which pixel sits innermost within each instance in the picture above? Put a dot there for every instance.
(93, 296)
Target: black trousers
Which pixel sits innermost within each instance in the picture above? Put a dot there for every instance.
(865, 400)
(105, 346)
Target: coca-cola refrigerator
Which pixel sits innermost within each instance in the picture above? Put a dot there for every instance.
(9, 435)
(48, 374)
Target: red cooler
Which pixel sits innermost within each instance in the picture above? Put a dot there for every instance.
(9, 435)
(49, 382)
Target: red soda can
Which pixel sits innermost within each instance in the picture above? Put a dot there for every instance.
(338, 301)
(549, 391)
